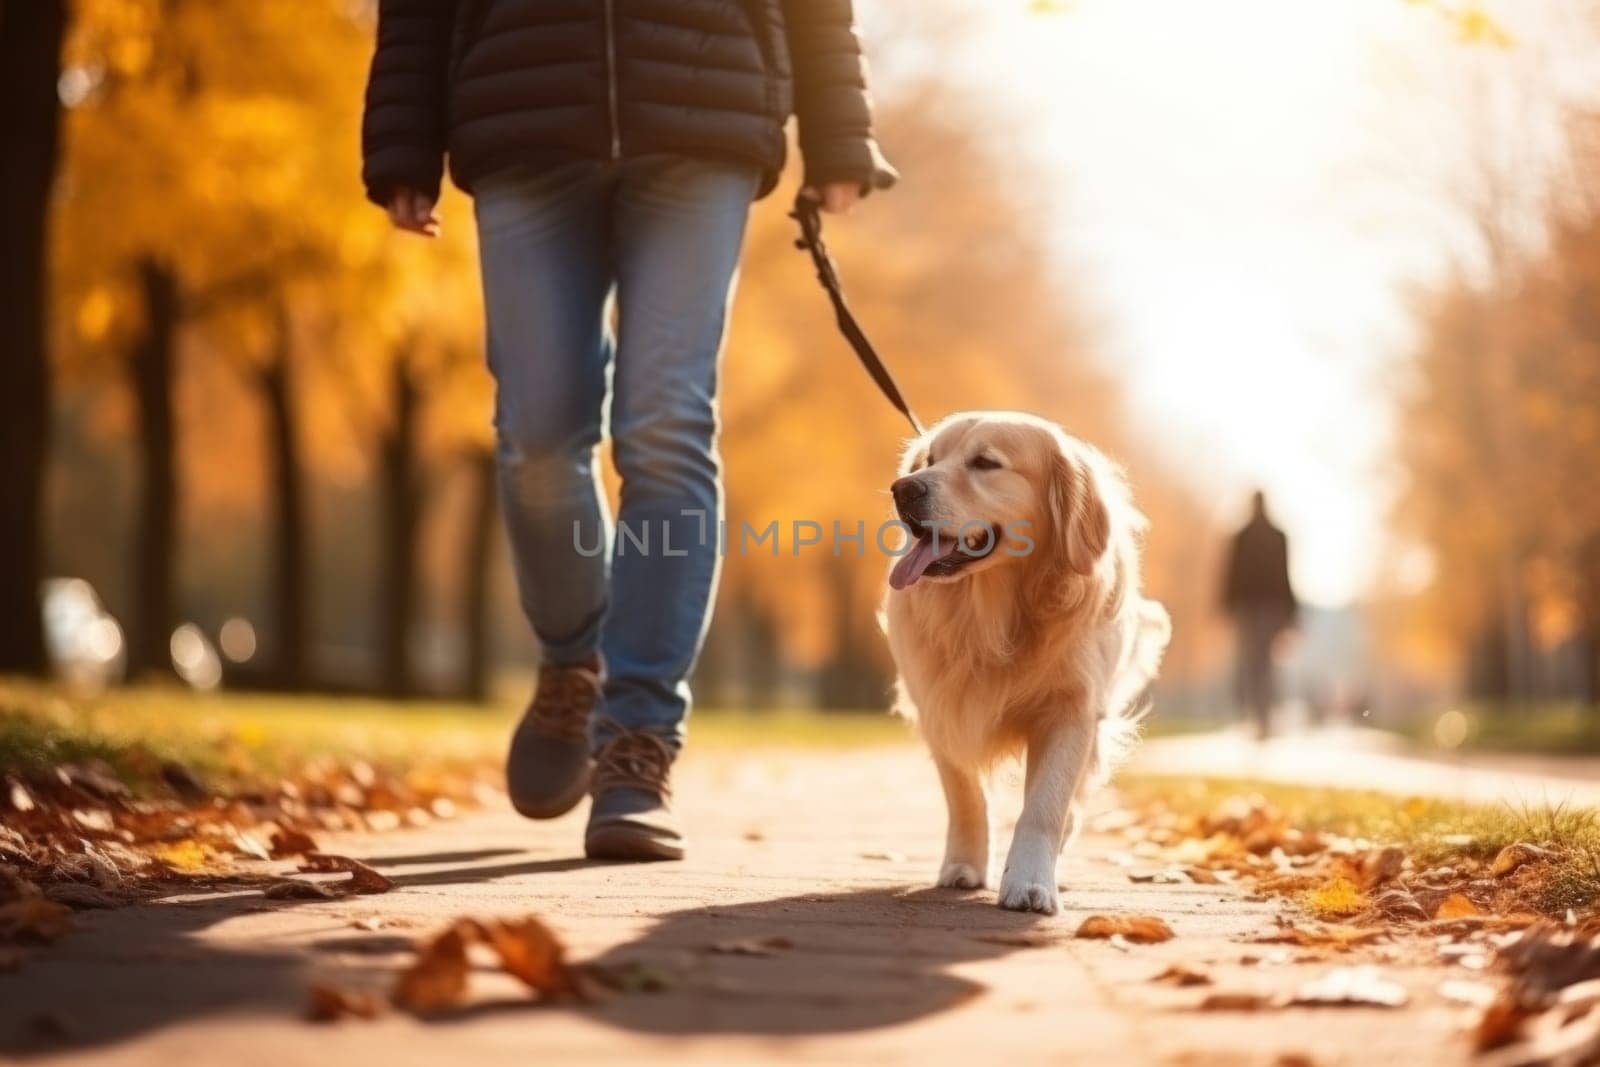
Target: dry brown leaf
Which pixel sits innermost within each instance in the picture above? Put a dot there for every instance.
(1351, 987)
(438, 978)
(1516, 855)
(1500, 1024)
(363, 879)
(330, 1004)
(762, 946)
(1140, 929)
(529, 950)
(1181, 974)
(287, 841)
(295, 889)
(21, 800)
(1237, 1000)
(249, 845)
(1456, 906)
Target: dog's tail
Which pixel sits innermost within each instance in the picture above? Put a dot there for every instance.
(1128, 701)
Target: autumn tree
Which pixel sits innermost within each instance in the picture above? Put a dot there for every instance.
(30, 68)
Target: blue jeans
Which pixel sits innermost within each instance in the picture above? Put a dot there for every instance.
(660, 236)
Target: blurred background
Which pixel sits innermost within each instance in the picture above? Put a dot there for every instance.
(1346, 253)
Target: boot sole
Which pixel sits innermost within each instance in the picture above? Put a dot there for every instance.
(630, 844)
(552, 807)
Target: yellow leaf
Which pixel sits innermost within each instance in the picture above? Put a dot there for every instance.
(188, 857)
(1336, 899)
(1457, 906)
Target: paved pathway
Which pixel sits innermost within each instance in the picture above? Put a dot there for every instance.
(832, 850)
(1370, 759)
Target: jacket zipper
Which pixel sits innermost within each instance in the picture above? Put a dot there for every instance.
(611, 79)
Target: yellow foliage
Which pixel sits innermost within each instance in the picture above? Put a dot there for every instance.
(1337, 898)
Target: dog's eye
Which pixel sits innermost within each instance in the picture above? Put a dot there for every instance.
(982, 462)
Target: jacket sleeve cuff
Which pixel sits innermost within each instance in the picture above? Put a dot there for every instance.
(857, 159)
(414, 168)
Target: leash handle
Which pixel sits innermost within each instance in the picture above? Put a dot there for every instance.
(808, 214)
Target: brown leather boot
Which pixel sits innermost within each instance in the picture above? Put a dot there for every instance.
(547, 771)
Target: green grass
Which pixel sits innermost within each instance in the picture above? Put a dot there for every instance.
(1563, 729)
(1432, 831)
(239, 737)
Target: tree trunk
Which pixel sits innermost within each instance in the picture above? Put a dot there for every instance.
(154, 371)
(30, 67)
(478, 546)
(401, 506)
(290, 532)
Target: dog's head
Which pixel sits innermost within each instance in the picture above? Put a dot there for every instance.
(995, 489)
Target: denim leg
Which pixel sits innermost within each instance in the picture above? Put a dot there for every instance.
(544, 241)
(679, 227)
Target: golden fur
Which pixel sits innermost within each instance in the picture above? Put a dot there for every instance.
(1043, 652)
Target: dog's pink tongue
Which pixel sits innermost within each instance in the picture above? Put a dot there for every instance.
(912, 564)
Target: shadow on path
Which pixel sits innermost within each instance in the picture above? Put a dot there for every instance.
(859, 960)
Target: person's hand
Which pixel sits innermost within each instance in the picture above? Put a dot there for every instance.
(414, 212)
(836, 198)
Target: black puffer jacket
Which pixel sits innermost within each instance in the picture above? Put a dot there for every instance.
(499, 83)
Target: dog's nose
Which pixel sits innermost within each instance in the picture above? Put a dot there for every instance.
(907, 491)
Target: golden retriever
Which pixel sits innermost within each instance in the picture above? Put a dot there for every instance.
(1017, 626)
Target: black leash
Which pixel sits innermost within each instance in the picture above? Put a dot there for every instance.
(809, 215)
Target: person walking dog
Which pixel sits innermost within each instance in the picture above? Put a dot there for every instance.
(613, 149)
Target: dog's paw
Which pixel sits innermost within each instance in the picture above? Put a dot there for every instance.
(1023, 895)
(957, 875)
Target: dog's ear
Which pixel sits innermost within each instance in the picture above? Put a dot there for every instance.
(1080, 521)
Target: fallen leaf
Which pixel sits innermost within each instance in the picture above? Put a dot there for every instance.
(249, 845)
(330, 1004)
(363, 879)
(891, 857)
(1516, 855)
(766, 946)
(1456, 906)
(1181, 974)
(1140, 929)
(1337, 898)
(287, 841)
(182, 781)
(186, 857)
(1351, 987)
(1381, 865)
(438, 978)
(97, 820)
(1398, 905)
(1237, 1000)
(297, 889)
(21, 800)
(529, 950)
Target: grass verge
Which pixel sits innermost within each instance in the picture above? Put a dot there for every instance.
(1434, 834)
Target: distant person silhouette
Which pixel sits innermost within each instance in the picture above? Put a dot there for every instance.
(1257, 595)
